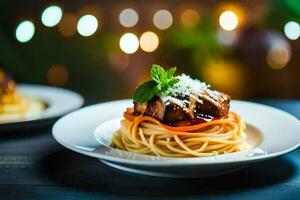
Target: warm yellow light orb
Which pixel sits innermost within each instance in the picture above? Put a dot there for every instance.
(228, 20)
(189, 18)
(149, 41)
(278, 56)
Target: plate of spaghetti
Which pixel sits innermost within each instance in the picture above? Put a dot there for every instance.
(176, 126)
(28, 105)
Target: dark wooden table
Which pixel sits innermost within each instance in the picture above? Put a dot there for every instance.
(34, 166)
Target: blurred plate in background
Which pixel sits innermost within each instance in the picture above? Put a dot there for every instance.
(58, 102)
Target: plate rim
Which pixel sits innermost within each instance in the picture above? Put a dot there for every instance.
(175, 161)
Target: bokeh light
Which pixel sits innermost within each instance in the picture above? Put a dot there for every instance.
(52, 16)
(278, 56)
(226, 76)
(57, 75)
(87, 25)
(189, 18)
(292, 30)
(228, 20)
(129, 43)
(149, 41)
(128, 17)
(119, 61)
(162, 19)
(25, 31)
(227, 38)
(279, 50)
(67, 26)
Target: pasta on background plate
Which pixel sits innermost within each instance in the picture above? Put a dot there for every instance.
(14, 106)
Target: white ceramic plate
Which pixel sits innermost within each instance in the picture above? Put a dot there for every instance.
(88, 131)
(59, 102)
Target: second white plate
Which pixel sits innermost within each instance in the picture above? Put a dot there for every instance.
(59, 102)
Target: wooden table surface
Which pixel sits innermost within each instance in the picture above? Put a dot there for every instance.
(34, 166)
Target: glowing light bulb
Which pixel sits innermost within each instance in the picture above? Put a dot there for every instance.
(162, 19)
(52, 16)
(292, 30)
(228, 20)
(87, 25)
(129, 43)
(128, 17)
(149, 41)
(25, 31)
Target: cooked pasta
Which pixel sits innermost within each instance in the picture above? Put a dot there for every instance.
(146, 135)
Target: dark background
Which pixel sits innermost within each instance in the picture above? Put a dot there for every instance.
(96, 66)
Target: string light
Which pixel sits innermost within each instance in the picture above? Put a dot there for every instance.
(228, 20)
(57, 75)
(128, 17)
(162, 19)
(25, 31)
(87, 25)
(149, 41)
(129, 43)
(189, 18)
(292, 30)
(51, 16)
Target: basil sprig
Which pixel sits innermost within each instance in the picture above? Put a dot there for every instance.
(161, 81)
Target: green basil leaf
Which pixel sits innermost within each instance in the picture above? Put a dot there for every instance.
(173, 81)
(157, 73)
(145, 92)
(171, 72)
(159, 86)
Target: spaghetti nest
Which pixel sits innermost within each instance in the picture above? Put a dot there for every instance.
(146, 135)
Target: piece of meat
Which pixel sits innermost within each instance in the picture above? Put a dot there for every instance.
(154, 108)
(175, 113)
(139, 108)
(210, 104)
(214, 103)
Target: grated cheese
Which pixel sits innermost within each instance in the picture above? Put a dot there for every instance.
(185, 87)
